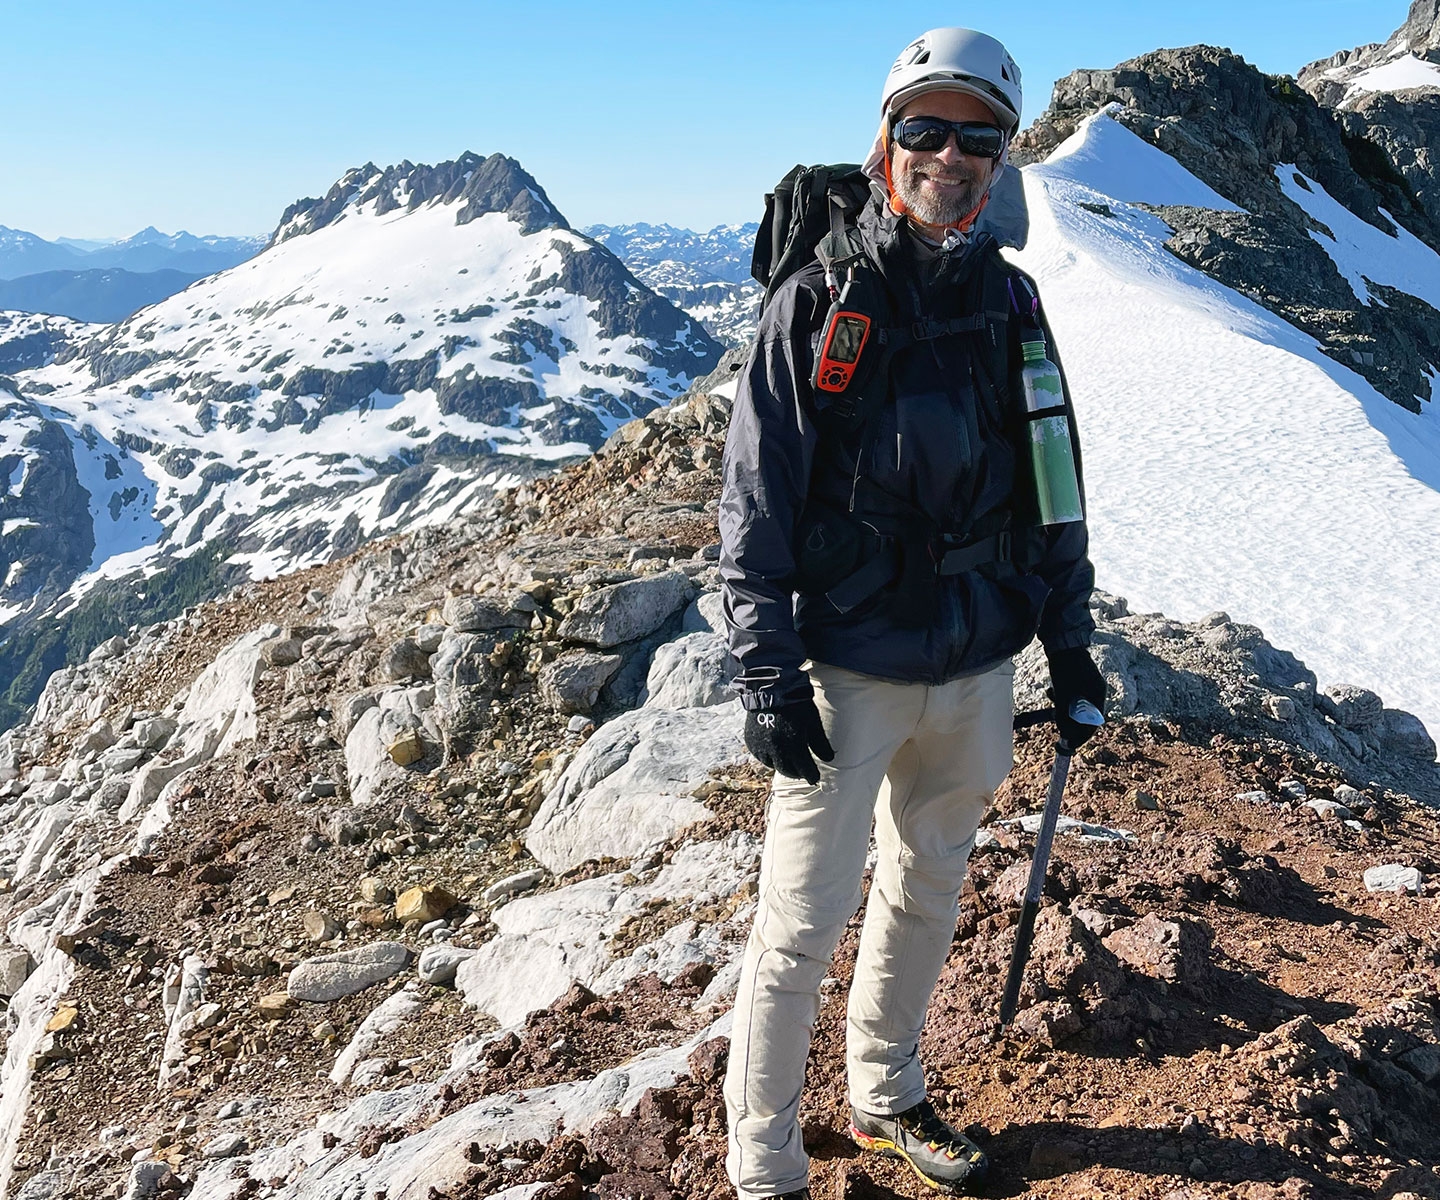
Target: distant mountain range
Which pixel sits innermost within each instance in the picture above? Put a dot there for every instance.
(23, 253)
(90, 280)
(706, 274)
(104, 294)
(405, 342)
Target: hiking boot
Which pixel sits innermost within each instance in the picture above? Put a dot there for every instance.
(943, 1157)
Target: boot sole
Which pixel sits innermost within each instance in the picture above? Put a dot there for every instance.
(888, 1149)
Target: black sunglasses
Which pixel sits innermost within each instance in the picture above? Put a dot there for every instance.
(930, 134)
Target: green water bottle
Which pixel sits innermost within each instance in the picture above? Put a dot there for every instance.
(1057, 487)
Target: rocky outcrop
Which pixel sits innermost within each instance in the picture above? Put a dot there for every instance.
(46, 535)
(397, 916)
(478, 185)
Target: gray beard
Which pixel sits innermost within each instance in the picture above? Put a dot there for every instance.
(936, 210)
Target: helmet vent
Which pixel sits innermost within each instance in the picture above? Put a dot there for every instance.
(921, 58)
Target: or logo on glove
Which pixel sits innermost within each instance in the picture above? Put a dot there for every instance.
(785, 738)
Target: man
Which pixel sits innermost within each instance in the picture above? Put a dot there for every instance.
(902, 691)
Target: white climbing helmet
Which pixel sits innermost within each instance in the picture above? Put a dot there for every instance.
(957, 60)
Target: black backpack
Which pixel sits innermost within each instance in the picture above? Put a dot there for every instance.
(801, 210)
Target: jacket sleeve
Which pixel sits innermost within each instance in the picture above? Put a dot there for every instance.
(1066, 622)
(768, 454)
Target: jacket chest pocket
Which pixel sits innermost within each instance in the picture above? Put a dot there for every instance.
(925, 443)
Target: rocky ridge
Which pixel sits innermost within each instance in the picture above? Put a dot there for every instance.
(1248, 135)
(426, 873)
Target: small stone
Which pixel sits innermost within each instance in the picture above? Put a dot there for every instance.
(514, 885)
(227, 1145)
(1352, 798)
(1393, 877)
(1329, 808)
(407, 749)
(1143, 800)
(375, 891)
(1254, 798)
(319, 927)
(1292, 788)
(423, 903)
(274, 1006)
(324, 1032)
(1282, 708)
(65, 1018)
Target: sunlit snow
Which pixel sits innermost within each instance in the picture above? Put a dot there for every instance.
(1394, 76)
(1229, 463)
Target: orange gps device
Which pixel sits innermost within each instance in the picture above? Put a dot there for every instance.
(844, 339)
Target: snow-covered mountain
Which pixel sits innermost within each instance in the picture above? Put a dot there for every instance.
(706, 274)
(408, 341)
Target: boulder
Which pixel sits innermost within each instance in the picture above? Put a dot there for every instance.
(572, 683)
(693, 671)
(630, 785)
(439, 963)
(1392, 877)
(1353, 708)
(405, 660)
(482, 614)
(465, 681)
(331, 976)
(625, 612)
(399, 713)
(1405, 735)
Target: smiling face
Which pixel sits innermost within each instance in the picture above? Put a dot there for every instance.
(940, 190)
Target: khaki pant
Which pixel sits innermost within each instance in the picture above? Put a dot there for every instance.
(923, 762)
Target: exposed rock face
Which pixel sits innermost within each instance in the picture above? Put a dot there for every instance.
(495, 184)
(1338, 80)
(1232, 127)
(46, 536)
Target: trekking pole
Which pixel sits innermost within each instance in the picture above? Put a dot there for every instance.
(1084, 713)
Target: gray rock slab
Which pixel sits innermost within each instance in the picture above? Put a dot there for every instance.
(1392, 877)
(626, 611)
(572, 683)
(694, 671)
(330, 976)
(478, 614)
(630, 785)
(513, 885)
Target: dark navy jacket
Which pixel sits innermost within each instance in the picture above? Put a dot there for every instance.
(944, 443)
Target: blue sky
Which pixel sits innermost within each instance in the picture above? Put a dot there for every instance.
(212, 116)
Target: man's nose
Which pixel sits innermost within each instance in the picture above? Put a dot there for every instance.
(950, 153)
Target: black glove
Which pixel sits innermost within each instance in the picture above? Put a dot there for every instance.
(1074, 676)
(783, 738)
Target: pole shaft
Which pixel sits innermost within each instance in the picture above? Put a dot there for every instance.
(1035, 886)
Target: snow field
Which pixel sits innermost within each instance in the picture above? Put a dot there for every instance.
(1229, 464)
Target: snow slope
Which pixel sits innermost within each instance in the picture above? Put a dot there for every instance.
(1229, 463)
(1397, 75)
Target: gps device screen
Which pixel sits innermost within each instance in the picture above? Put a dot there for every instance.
(847, 339)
